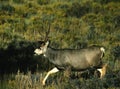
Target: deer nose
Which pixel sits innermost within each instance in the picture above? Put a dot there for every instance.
(38, 51)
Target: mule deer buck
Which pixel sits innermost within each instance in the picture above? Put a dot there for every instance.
(75, 59)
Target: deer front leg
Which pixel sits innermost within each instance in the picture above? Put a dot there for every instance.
(54, 70)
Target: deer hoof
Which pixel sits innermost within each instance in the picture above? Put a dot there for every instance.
(43, 83)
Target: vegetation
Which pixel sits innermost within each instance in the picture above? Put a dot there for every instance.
(73, 24)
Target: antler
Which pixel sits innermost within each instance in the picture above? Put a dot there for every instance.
(47, 33)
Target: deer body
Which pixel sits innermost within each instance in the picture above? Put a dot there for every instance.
(75, 59)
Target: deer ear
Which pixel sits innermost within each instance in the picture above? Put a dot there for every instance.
(47, 43)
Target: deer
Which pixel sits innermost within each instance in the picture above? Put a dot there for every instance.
(73, 59)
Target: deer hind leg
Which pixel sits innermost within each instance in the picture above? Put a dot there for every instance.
(102, 71)
(54, 70)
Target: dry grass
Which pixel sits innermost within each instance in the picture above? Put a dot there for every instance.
(62, 81)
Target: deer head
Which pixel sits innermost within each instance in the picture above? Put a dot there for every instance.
(42, 49)
(44, 45)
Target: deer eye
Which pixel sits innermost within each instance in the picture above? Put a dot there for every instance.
(41, 48)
